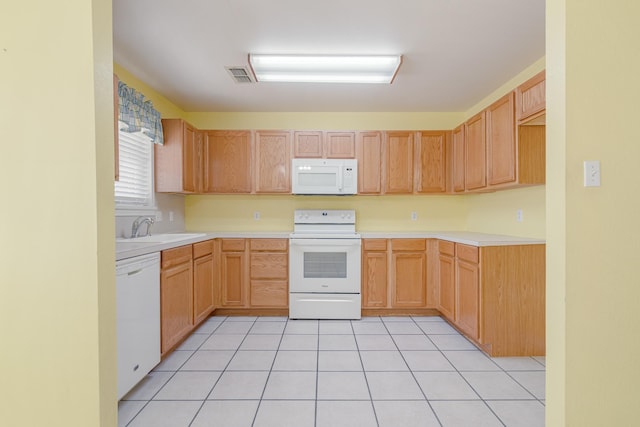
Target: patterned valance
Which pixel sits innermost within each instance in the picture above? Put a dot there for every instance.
(138, 114)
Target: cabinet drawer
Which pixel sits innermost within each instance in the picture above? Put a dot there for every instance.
(176, 256)
(467, 253)
(269, 293)
(233, 245)
(274, 245)
(269, 266)
(374, 244)
(408, 244)
(201, 249)
(446, 248)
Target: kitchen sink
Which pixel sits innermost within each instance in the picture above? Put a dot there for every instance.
(161, 238)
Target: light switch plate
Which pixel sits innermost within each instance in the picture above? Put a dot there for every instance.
(592, 173)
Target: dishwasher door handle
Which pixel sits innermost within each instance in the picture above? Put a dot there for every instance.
(131, 273)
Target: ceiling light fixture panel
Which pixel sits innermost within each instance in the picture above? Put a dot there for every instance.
(325, 68)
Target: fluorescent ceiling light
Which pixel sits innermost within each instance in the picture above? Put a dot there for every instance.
(325, 68)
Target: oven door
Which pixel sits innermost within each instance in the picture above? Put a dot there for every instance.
(324, 265)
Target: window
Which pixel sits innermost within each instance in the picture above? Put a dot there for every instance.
(134, 190)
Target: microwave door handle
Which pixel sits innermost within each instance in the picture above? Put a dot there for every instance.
(340, 175)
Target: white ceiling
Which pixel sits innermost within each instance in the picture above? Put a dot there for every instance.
(455, 51)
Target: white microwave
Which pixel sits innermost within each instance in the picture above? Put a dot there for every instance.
(324, 176)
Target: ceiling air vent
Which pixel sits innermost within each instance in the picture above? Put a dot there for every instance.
(240, 74)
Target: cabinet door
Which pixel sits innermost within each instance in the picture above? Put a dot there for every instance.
(458, 159)
(374, 277)
(447, 301)
(468, 297)
(176, 302)
(501, 140)
(227, 162)
(202, 288)
(409, 279)
(232, 279)
(475, 153)
(190, 159)
(431, 167)
(178, 162)
(398, 162)
(369, 154)
(273, 162)
(340, 145)
(307, 144)
(531, 98)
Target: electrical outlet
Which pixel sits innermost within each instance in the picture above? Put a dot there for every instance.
(256, 215)
(414, 216)
(170, 216)
(592, 173)
(519, 215)
(158, 216)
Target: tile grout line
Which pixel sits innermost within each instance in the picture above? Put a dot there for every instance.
(364, 374)
(173, 375)
(223, 370)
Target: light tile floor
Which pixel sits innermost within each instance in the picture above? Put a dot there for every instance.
(389, 371)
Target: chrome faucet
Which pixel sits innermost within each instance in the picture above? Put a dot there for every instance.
(138, 222)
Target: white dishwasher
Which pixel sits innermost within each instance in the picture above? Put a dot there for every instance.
(138, 318)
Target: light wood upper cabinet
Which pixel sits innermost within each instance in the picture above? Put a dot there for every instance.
(340, 145)
(374, 273)
(116, 131)
(398, 149)
(178, 163)
(431, 166)
(227, 166)
(501, 140)
(408, 273)
(369, 155)
(324, 144)
(272, 162)
(308, 144)
(475, 153)
(531, 99)
(457, 161)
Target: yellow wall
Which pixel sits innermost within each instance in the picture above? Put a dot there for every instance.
(57, 293)
(594, 233)
(374, 213)
(496, 212)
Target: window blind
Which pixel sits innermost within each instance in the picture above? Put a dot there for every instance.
(135, 186)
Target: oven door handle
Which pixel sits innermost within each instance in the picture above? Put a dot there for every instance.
(325, 242)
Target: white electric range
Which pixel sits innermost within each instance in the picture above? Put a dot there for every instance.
(324, 265)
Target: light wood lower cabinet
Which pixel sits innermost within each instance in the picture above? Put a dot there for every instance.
(233, 273)
(408, 273)
(176, 296)
(447, 279)
(254, 273)
(374, 273)
(203, 274)
(394, 273)
(467, 291)
(495, 295)
(269, 268)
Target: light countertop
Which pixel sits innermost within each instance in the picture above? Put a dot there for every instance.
(130, 249)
